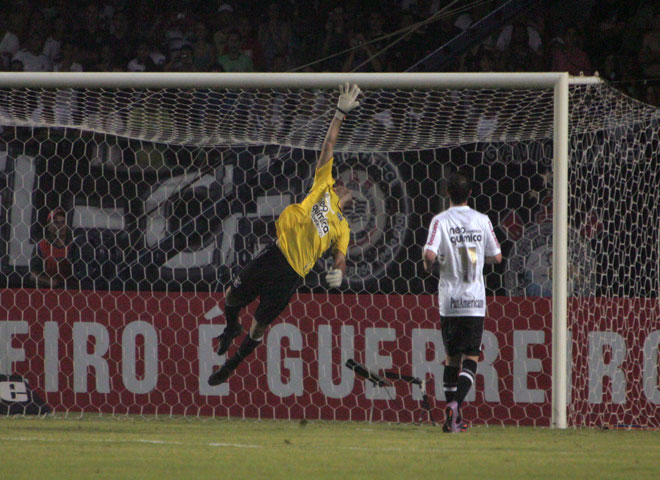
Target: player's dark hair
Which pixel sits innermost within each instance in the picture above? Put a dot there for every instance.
(459, 186)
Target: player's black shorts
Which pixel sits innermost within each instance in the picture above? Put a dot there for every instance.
(269, 276)
(462, 335)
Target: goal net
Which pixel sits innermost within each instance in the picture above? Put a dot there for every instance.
(170, 184)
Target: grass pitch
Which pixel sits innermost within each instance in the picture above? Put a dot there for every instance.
(127, 448)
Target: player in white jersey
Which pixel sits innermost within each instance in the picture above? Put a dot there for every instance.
(462, 240)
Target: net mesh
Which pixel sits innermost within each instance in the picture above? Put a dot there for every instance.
(413, 119)
(168, 193)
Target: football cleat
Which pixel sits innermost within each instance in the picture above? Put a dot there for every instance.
(220, 376)
(227, 337)
(462, 426)
(452, 419)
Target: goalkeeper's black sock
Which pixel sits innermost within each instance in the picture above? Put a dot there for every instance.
(449, 381)
(247, 347)
(465, 380)
(231, 315)
(231, 331)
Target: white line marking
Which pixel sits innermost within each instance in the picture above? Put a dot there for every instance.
(365, 449)
(237, 445)
(136, 440)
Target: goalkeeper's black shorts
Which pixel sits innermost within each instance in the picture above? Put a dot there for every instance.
(462, 335)
(269, 276)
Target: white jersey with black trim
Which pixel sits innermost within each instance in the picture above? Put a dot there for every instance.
(461, 238)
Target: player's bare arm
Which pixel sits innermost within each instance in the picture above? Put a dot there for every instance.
(494, 259)
(347, 102)
(429, 260)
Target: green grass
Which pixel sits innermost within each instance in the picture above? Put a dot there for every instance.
(125, 448)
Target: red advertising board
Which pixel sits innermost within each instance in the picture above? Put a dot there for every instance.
(151, 353)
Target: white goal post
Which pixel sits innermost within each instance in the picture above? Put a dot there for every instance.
(558, 83)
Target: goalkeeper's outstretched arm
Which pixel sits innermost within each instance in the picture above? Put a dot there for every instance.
(347, 102)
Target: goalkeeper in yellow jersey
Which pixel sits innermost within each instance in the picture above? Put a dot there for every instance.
(305, 231)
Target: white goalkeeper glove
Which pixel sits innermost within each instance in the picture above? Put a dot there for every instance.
(347, 99)
(334, 277)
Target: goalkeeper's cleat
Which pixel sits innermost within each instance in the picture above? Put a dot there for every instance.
(220, 376)
(225, 339)
(451, 417)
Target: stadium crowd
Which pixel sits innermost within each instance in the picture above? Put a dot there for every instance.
(620, 39)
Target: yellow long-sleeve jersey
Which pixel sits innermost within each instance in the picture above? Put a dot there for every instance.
(307, 229)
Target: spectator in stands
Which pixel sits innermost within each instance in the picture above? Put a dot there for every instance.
(375, 26)
(362, 56)
(306, 36)
(173, 64)
(422, 9)
(121, 39)
(108, 60)
(31, 56)
(38, 22)
(568, 55)
(480, 58)
(279, 64)
(91, 37)
(182, 60)
(216, 68)
(410, 48)
(607, 26)
(9, 42)
(178, 32)
(233, 60)
(336, 40)
(630, 74)
(442, 30)
(143, 61)
(250, 45)
(54, 9)
(610, 69)
(652, 95)
(225, 23)
(16, 65)
(107, 11)
(445, 28)
(402, 54)
(274, 35)
(367, 57)
(187, 59)
(649, 54)
(432, 35)
(649, 61)
(534, 39)
(50, 266)
(519, 56)
(156, 56)
(475, 15)
(203, 49)
(148, 20)
(464, 21)
(55, 39)
(67, 58)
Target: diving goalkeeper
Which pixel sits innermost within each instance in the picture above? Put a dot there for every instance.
(305, 231)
